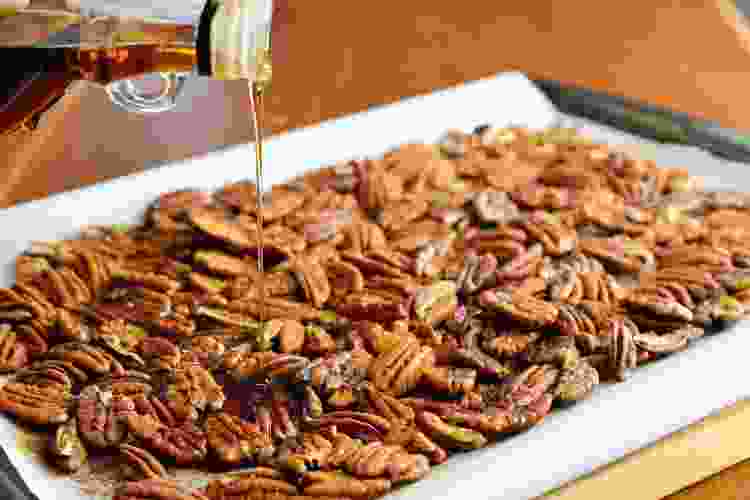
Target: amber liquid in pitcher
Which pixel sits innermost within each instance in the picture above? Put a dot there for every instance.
(36, 75)
(43, 75)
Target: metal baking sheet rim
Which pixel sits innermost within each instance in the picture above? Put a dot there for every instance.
(617, 420)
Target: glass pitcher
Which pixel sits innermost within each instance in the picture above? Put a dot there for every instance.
(141, 51)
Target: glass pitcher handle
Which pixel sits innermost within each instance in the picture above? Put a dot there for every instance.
(152, 93)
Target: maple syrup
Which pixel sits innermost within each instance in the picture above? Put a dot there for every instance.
(50, 49)
(256, 110)
(258, 89)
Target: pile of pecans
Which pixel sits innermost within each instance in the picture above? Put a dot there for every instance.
(430, 301)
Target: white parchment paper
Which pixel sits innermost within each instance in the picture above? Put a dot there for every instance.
(618, 419)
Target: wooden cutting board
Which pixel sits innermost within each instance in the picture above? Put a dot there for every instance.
(679, 460)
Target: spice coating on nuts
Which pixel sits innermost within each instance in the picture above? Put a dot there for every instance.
(431, 301)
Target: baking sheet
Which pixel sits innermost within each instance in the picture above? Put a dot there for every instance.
(659, 399)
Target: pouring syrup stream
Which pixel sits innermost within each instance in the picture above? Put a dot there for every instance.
(256, 109)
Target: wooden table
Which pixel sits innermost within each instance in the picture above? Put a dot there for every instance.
(731, 483)
(339, 57)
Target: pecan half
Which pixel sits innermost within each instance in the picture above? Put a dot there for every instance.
(398, 215)
(509, 345)
(219, 226)
(35, 404)
(371, 307)
(370, 265)
(622, 348)
(160, 353)
(313, 278)
(528, 311)
(344, 278)
(556, 238)
(283, 241)
(223, 264)
(281, 201)
(242, 484)
(362, 236)
(657, 312)
(378, 459)
(335, 484)
(52, 372)
(85, 356)
(451, 380)
(151, 281)
(192, 390)
(276, 307)
(673, 341)
(186, 444)
(245, 365)
(624, 255)
(398, 371)
(140, 464)
(234, 440)
(156, 489)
